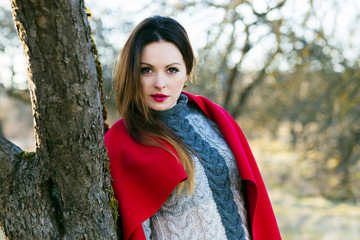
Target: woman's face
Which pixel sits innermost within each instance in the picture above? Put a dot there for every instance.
(163, 74)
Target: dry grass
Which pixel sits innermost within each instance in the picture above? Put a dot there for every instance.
(301, 213)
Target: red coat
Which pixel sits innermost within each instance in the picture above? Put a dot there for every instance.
(144, 176)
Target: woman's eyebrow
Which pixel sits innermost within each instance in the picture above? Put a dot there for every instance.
(175, 63)
(148, 64)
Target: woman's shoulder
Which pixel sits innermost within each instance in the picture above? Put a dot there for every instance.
(210, 108)
(201, 101)
(119, 124)
(117, 128)
(116, 133)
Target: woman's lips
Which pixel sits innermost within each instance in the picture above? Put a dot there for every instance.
(159, 97)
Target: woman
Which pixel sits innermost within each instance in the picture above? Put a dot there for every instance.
(181, 166)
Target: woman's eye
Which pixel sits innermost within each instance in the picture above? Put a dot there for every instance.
(145, 70)
(173, 70)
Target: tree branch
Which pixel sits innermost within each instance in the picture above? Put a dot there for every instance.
(246, 91)
(9, 155)
(234, 71)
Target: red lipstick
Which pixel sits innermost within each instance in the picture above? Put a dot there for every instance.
(159, 97)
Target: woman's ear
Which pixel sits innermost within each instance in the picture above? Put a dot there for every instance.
(186, 79)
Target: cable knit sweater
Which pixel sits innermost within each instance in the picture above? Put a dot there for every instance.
(216, 209)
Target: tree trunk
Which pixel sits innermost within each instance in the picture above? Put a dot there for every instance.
(63, 191)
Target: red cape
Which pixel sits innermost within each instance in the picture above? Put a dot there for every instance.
(144, 177)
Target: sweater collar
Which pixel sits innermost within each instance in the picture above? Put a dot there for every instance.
(177, 111)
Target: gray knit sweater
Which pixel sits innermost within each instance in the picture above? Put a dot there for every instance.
(216, 209)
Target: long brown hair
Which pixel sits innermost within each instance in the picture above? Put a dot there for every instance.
(143, 123)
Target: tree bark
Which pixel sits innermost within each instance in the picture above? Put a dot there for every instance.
(63, 191)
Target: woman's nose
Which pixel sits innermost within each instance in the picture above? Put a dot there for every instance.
(160, 81)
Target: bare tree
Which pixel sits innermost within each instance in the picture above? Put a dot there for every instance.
(305, 78)
(61, 191)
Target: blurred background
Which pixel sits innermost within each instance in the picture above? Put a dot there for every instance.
(286, 70)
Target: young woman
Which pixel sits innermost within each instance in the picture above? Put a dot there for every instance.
(181, 166)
